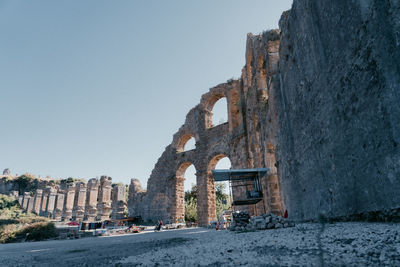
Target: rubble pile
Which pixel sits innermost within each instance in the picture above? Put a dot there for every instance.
(242, 221)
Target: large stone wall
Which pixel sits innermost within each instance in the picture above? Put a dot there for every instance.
(339, 108)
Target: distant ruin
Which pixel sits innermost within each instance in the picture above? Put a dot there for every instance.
(70, 200)
(317, 103)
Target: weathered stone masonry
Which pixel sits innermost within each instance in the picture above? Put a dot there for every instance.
(339, 112)
(241, 139)
(91, 199)
(317, 103)
(95, 200)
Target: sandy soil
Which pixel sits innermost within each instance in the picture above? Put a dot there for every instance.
(339, 244)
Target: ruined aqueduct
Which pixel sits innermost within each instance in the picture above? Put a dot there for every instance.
(317, 103)
(246, 140)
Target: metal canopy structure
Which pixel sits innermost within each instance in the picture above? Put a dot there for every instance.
(248, 178)
(239, 174)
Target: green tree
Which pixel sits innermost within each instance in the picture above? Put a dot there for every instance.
(191, 204)
(222, 201)
(26, 183)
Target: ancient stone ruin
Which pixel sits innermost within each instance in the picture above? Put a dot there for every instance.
(104, 203)
(317, 104)
(118, 202)
(95, 200)
(91, 199)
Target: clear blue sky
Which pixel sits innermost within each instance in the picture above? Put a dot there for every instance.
(99, 87)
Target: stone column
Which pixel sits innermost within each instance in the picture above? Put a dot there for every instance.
(206, 202)
(51, 202)
(25, 200)
(38, 201)
(45, 197)
(20, 200)
(59, 207)
(178, 209)
(92, 192)
(79, 203)
(30, 204)
(118, 202)
(104, 205)
(135, 197)
(69, 202)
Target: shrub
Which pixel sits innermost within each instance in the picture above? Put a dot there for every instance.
(26, 183)
(191, 210)
(7, 202)
(17, 225)
(8, 233)
(38, 231)
(191, 205)
(222, 200)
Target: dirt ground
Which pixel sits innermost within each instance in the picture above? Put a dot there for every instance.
(339, 244)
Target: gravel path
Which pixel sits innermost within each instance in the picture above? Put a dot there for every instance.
(340, 244)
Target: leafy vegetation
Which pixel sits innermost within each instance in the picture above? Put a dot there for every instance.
(191, 204)
(71, 180)
(26, 183)
(222, 202)
(16, 225)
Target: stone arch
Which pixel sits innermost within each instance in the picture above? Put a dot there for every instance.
(179, 190)
(206, 205)
(182, 167)
(180, 146)
(215, 159)
(209, 105)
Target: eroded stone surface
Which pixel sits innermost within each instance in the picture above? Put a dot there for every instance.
(38, 201)
(91, 199)
(59, 206)
(339, 112)
(51, 202)
(79, 202)
(118, 202)
(247, 139)
(317, 104)
(69, 202)
(104, 203)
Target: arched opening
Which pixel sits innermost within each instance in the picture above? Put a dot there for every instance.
(186, 142)
(190, 144)
(219, 112)
(186, 193)
(216, 110)
(222, 194)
